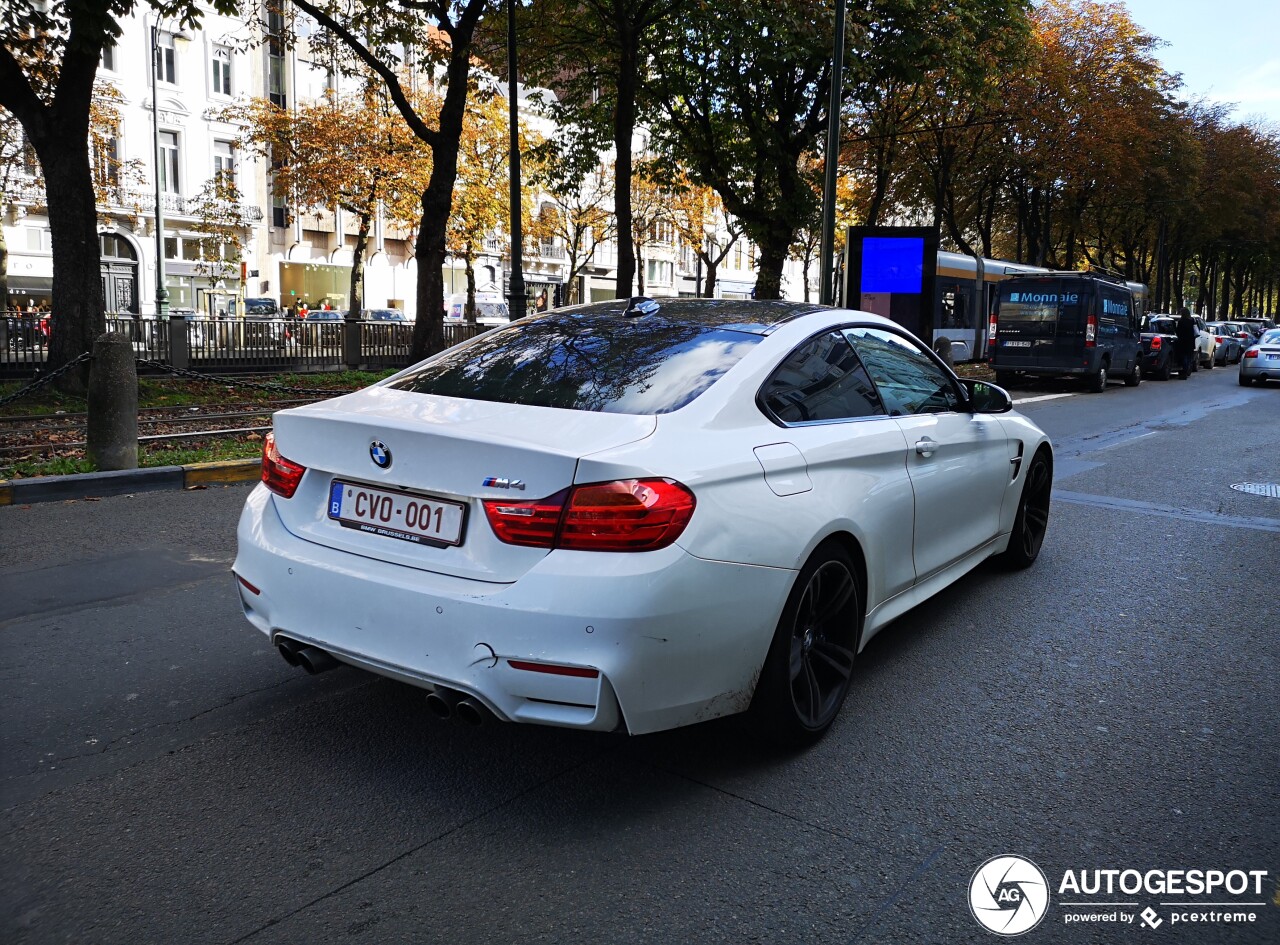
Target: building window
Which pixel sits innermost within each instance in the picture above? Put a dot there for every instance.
(106, 161)
(170, 247)
(166, 59)
(224, 161)
(109, 55)
(222, 70)
(169, 180)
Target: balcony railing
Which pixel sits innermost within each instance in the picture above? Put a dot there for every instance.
(31, 191)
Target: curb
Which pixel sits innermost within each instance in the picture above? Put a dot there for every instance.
(126, 481)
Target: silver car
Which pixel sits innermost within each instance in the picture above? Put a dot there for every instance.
(1262, 361)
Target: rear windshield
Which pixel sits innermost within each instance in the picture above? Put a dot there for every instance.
(1163, 326)
(596, 362)
(260, 307)
(1040, 302)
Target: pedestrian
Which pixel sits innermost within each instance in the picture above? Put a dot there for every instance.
(1186, 346)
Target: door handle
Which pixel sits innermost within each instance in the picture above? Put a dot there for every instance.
(925, 446)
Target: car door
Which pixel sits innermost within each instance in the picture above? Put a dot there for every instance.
(839, 446)
(958, 461)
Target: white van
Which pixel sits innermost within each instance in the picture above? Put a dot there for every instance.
(491, 308)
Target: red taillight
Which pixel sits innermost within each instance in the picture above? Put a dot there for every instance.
(279, 474)
(1251, 353)
(1156, 343)
(624, 515)
(526, 523)
(1091, 332)
(1219, 339)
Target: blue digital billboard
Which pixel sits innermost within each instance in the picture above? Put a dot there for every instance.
(893, 264)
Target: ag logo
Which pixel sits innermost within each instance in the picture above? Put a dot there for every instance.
(1008, 895)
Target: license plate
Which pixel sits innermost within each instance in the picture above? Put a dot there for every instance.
(1017, 344)
(1273, 357)
(404, 515)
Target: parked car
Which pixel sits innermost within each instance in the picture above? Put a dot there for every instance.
(1159, 346)
(264, 325)
(1256, 325)
(1229, 347)
(1206, 345)
(1067, 324)
(398, 332)
(323, 326)
(1262, 361)
(491, 308)
(556, 522)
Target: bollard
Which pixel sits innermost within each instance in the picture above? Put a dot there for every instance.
(179, 342)
(113, 404)
(351, 340)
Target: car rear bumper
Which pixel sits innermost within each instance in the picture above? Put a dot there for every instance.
(1266, 370)
(675, 639)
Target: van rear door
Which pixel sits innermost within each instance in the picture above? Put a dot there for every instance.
(1040, 323)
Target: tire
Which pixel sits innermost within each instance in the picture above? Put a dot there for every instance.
(1032, 520)
(1165, 370)
(1004, 379)
(1097, 383)
(1134, 378)
(1208, 365)
(1246, 381)
(808, 670)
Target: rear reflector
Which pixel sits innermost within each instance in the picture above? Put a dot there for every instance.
(279, 474)
(251, 588)
(554, 669)
(624, 515)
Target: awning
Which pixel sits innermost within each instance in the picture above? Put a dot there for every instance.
(19, 284)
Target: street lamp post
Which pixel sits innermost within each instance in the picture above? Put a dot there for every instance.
(517, 300)
(162, 294)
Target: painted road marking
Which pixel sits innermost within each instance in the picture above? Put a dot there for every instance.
(1168, 511)
(1032, 400)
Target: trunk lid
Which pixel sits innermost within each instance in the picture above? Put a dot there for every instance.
(441, 448)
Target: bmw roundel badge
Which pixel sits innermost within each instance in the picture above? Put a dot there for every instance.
(380, 455)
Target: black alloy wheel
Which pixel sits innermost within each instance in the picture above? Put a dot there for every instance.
(808, 671)
(1032, 520)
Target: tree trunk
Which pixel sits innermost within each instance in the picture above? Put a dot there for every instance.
(73, 225)
(624, 122)
(773, 255)
(639, 272)
(709, 285)
(469, 267)
(355, 297)
(4, 271)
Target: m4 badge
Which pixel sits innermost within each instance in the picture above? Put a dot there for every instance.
(495, 483)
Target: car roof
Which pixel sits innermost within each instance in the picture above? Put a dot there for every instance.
(755, 317)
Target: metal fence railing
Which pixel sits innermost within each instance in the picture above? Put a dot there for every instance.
(229, 346)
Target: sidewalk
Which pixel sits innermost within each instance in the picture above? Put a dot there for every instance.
(151, 479)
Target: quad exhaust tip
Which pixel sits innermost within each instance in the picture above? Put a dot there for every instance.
(448, 703)
(311, 658)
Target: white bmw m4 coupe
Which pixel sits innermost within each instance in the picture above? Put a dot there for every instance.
(637, 515)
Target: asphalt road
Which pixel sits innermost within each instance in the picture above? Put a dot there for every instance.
(168, 779)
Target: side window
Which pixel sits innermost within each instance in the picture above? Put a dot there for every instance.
(1115, 313)
(821, 380)
(907, 378)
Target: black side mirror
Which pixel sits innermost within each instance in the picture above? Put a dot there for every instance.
(987, 398)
